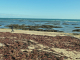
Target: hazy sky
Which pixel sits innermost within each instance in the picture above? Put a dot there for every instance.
(60, 9)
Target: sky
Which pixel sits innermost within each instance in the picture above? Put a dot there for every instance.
(53, 9)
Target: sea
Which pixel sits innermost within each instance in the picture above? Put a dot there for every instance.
(67, 24)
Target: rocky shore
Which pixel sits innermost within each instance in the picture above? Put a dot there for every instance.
(48, 28)
(19, 46)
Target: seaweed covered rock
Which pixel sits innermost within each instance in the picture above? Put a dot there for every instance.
(36, 28)
(78, 30)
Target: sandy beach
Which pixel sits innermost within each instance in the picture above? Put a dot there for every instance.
(59, 51)
(39, 30)
(41, 33)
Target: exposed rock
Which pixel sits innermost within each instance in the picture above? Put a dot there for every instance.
(36, 28)
(74, 24)
(78, 30)
(77, 27)
(65, 23)
(75, 34)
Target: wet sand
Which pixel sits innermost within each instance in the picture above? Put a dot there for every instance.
(58, 43)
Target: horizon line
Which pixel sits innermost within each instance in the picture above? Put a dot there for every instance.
(37, 18)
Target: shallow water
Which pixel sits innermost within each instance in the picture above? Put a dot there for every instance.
(67, 24)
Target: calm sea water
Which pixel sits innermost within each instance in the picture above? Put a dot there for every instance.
(67, 24)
